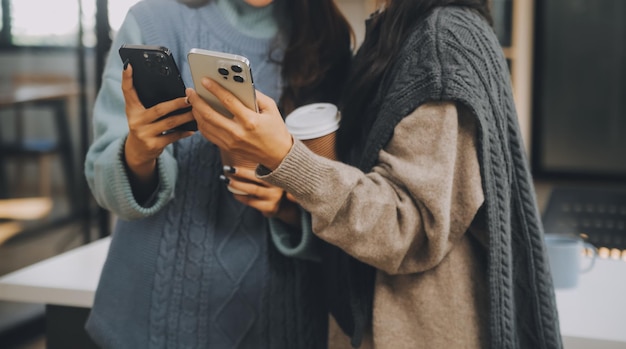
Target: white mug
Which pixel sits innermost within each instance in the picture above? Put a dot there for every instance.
(565, 254)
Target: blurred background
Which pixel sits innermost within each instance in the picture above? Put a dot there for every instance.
(567, 60)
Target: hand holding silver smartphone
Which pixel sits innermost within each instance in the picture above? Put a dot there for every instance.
(231, 71)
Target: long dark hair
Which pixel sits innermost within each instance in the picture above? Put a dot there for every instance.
(386, 33)
(317, 58)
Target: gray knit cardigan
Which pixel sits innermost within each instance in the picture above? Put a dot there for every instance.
(453, 55)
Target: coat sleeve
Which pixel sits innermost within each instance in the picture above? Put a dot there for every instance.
(408, 212)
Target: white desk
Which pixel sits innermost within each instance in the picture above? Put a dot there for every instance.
(592, 316)
(66, 284)
(68, 279)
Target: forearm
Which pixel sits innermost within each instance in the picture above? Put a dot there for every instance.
(407, 213)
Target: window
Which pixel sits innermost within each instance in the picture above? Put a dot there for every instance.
(30, 23)
(37, 23)
(117, 12)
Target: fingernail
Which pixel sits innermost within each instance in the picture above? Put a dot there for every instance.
(230, 169)
(126, 64)
(187, 100)
(206, 82)
(224, 179)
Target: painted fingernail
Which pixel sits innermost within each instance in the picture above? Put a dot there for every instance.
(230, 169)
(224, 179)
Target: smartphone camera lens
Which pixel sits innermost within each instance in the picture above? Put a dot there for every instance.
(159, 58)
(236, 68)
(223, 71)
(238, 78)
(164, 70)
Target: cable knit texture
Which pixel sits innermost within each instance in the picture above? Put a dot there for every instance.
(453, 55)
(195, 269)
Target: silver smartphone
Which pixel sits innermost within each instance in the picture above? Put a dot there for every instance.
(231, 71)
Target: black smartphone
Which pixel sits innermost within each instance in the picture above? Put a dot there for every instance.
(156, 78)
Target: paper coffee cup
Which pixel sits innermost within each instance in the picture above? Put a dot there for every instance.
(235, 160)
(316, 125)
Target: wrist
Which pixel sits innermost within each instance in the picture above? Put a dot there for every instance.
(143, 180)
(279, 155)
(289, 212)
(141, 168)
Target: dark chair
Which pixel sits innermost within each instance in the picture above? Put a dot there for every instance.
(33, 96)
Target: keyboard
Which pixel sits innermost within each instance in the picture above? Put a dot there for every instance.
(596, 214)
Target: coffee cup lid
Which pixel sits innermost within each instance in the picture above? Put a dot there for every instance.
(313, 120)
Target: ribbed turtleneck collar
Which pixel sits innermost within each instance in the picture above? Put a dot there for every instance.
(258, 22)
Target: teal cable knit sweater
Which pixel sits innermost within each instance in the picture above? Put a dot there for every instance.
(192, 268)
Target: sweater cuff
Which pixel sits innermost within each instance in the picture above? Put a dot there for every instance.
(300, 173)
(296, 243)
(118, 193)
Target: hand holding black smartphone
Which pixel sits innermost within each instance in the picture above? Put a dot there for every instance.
(156, 78)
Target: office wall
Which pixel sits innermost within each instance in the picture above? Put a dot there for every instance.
(356, 11)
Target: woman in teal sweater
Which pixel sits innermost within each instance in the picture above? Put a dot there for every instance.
(189, 266)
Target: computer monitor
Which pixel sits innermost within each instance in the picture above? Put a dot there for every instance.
(579, 92)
